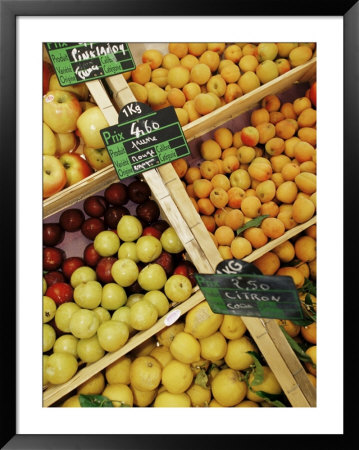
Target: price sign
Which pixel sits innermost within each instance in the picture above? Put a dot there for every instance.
(144, 139)
(253, 295)
(236, 266)
(79, 62)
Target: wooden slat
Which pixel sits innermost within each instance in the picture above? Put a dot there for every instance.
(54, 393)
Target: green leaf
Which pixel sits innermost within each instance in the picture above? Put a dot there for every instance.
(252, 223)
(201, 379)
(258, 371)
(94, 401)
(308, 287)
(270, 398)
(296, 347)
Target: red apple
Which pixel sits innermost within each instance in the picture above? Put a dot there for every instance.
(187, 269)
(76, 168)
(52, 258)
(53, 175)
(60, 293)
(95, 205)
(61, 109)
(52, 277)
(166, 260)
(52, 234)
(46, 74)
(92, 227)
(313, 93)
(103, 269)
(70, 264)
(91, 257)
(151, 231)
(72, 219)
(250, 136)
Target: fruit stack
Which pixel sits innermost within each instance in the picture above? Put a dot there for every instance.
(72, 145)
(202, 360)
(255, 181)
(198, 78)
(112, 267)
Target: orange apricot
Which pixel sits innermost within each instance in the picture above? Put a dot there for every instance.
(272, 227)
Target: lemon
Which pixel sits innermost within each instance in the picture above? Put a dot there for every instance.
(201, 364)
(143, 398)
(177, 377)
(166, 336)
(269, 385)
(201, 321)
(145, 348)
(145, 373)
(169, 400)
(72, 402)
(162, 354)
(119, 371)
(143, 315)
(228, 388)
(237, 357)
(185, 348)
(214, 404)
(199, 395)
(232, 327)
(94, 385)
(120, 394)
(213, 347)
(247, 404)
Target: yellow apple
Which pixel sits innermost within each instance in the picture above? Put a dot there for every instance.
(89, 124)
(54, 175)
(48, 140)
(81, 90)
(61, 109)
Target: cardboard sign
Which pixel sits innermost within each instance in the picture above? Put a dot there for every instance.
(144, 139)
(79, 62)
(272, 297)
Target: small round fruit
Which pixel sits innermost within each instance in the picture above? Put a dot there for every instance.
(116, 194)
(119, 371)
(48, 309)
(67, 343)
(84, 323)
(129, 228)
(63, 316)
(145, 373)
(178, 288)
(112, 335)
(138, 191)
(143, 314)
(61, 367)
(72, 219)
(113, 296)
(95, 205)
(125, 272)
(89, 350)
(158, 300)
(168, 400)
(93, 386)
(82, 275)
(170, 241)
(119, 394)
(152, 277)
(177, 376)
(185, 348)
(228, 388)
(269, 385)
(106, 243)
(48, 337)
(88, 295)
(148, 248)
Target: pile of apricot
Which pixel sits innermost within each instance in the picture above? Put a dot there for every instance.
(267, 168)
(197, 78)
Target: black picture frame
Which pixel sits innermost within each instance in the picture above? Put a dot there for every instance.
(9, 11)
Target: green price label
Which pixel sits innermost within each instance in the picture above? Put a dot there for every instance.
(144, 139)
(253, 295)
(79, 62)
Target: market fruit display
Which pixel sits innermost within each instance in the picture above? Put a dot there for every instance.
(201, 360)
(119, 280)
(253, 183)
(198, 78)
(72, 145)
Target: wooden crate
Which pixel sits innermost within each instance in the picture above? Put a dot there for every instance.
(266, 333)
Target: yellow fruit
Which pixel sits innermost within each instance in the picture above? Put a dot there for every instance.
(269, 385)
(236, 356)
(201, 321)
(145, 373)
(166, 336)
(143, 398)
(199, 395)
(232, 327)
(94, 385)
(177, 377)
(145, 348)
(228, 389)
(185, 348)
(119, 371)
(312, 367)
(169, 400)
(213, 347)
(72, 402)
(119, 392)
(163, 355)
(247, 404)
